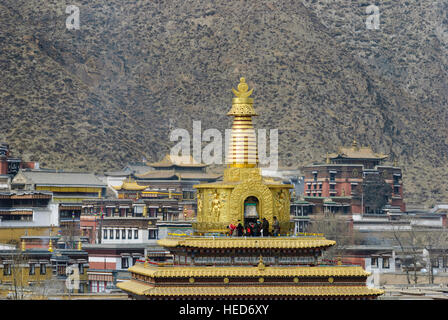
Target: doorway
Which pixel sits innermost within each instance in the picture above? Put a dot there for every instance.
(251, 210)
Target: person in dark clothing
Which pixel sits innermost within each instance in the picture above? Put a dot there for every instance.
(240, 229)
(276, 227)
(265, 227)
(258, 228)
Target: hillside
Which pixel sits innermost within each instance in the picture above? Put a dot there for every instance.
(98, 97)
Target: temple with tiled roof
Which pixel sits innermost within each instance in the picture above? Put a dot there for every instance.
(213, 265)
(337, 185)
(357, 154)
(177, 168)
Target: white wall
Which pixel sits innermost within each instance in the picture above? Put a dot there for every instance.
(42, 217)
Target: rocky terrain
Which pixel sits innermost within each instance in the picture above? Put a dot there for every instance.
(110, 92)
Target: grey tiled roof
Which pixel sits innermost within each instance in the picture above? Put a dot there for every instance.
(63, 178)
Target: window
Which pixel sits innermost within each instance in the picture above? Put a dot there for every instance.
(374, 262)
(129, 234)
(101, 286)
(332, 186)
(7, 269)
(135, 234)
(435, 262)
(152, 234)
(123, 234)
(117, 234)
(43, 268)
(105, 234)
(81, 268)
(134, 260)
(93, 287)
(385, 262)
(32, 269)
(332, 177)
(315, 176)
(111, 233)
(124, 263)
(397, 190)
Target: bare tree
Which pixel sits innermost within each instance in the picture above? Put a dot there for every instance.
(413, 242)
(18, 262)
(336, 228)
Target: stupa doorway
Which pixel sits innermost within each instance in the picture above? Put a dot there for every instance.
(251, 210)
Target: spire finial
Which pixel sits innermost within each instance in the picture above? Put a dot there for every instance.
(327, 161)
(242, 89)
(355, 144)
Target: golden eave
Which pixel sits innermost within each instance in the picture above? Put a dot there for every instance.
(230, 185)
(236, 271)
(228, 243)
(139, 288)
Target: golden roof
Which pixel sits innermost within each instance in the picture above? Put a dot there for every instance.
(239, 242)
(140, 288)
(181, 161)
(168, 174)
(356, 152)
(131, 186)
(237, 271)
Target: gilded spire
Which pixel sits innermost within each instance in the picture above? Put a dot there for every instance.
(242, 89)
(243, 144)
(355, 145)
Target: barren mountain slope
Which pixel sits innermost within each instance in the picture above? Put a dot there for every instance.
(109, 93)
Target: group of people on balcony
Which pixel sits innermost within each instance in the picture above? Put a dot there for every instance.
(254, 229)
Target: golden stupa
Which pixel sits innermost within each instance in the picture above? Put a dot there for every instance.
(218, 267)
(243, 195)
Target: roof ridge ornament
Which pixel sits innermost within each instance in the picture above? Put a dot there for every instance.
(261, 265)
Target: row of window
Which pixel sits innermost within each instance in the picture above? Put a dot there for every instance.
(118, 235)
(7, 269)
(100, 286)
(125, 262)
(374, 262)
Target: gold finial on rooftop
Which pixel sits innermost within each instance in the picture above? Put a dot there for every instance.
(355, 144)
(261, 265)
(242, 89)
(327, 161)
(145, 264)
